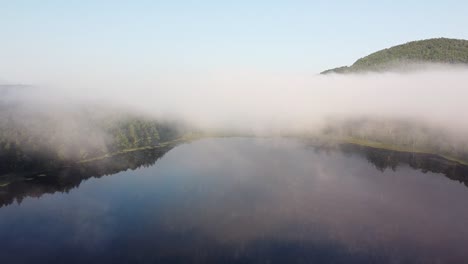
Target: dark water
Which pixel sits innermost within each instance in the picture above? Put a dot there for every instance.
(241, 201)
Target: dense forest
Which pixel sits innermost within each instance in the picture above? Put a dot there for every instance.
(405, 135)
(34, 137)
(409, 55)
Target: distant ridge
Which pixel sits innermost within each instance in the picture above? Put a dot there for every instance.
(437, 50)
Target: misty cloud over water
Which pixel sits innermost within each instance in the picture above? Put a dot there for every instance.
(268, 102)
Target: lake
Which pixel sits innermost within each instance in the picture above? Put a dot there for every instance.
(241, 200)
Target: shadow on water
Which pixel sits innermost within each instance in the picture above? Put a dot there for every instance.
(40, 181)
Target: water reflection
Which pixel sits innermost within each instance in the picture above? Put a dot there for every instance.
(388, 159)
(248, 201)
(39, 180)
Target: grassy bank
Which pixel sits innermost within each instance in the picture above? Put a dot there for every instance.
(378, 145)
(174, 142)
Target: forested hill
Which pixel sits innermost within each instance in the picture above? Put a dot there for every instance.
(438, 50)
(47, 137)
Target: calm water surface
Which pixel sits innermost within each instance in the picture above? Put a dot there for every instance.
(241, 201)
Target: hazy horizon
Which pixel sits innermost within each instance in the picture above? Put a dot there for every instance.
(53, 43)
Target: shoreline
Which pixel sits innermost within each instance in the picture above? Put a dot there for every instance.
(378, 145)
(321, 140)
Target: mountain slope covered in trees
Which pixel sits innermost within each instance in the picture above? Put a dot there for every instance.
(406, 56)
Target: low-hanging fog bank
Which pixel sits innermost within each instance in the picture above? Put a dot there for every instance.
(426, 108)
(262, 102)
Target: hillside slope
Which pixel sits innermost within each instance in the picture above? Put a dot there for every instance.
(438, 50)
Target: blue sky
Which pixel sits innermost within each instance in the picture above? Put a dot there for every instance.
(52, 38)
